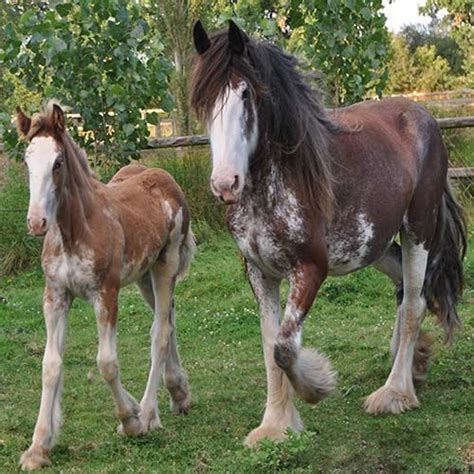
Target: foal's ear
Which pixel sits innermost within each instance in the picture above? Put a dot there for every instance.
(237, 38)
(201, 40)
(23, 123)
(58, 119)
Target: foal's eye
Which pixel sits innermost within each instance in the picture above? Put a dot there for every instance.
(245, 94)
(57, 165)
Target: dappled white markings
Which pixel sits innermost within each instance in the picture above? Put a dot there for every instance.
(348, 252)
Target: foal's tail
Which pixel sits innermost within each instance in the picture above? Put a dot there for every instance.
(444, 280)
(188, 249)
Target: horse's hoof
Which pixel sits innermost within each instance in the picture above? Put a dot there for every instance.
(130, 426)
(181, 407)
(388, 400)
(34, 458)
(273, 433)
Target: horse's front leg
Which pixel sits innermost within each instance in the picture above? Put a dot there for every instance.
(280, 412)
(56, 304)
(106, 307)
(309, 372)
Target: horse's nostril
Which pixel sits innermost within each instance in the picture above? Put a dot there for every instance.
(235, 186)
(43, 223)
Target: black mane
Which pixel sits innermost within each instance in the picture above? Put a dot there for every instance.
(294, 127)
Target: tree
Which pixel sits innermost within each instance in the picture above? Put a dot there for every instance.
(344, 39)
(437, 36)
(177, 19)
(421, 71)
(98, 56)
(459, 19)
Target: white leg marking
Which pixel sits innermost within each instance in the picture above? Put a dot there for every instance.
(107, 362)
(56, 305)
(163, 276)
(280, 413)
(398, 393)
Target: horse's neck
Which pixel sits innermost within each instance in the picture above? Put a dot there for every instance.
(74, 211)
(266, 183)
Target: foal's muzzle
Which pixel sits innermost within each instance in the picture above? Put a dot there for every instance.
(37, 226)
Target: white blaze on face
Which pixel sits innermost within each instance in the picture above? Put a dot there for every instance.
(40, 157)
(232, 142)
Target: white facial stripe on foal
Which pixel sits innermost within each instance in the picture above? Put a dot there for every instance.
(230, 145)
(40, 157)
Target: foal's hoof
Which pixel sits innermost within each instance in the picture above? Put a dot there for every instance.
(150, 421)
(34, 458)
(130, 426)
(388, 400)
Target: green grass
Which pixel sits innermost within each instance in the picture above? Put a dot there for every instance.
(219, 337)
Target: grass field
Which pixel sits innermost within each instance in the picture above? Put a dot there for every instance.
(219, 338)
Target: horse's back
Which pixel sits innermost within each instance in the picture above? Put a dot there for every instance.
(386, 153)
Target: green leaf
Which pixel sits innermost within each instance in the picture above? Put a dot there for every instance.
(63, 9)
(153, 118)
(117, 90)
(128, 128)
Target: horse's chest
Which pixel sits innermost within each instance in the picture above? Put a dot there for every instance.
(266, 238)
(73, 271)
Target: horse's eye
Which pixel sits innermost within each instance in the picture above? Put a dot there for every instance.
(57, 165)
(245, 94)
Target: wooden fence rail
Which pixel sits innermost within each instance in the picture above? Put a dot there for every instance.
(193, 140)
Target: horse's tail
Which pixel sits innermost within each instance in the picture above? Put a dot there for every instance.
(188, 249)
(309, 371)
(444, 280)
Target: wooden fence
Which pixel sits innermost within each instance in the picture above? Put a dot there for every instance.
(195, 140)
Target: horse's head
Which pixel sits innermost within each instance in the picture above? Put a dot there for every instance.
(44, 158)
(224, 96)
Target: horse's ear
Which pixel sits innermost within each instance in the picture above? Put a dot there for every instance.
(201, 40)
(237, 38)
(23, 123)
(58, 119)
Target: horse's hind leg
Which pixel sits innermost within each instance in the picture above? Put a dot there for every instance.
(175, 377)
(391, 265)
(398, 393)
(163, 344)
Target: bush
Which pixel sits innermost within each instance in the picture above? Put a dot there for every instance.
(18, 250)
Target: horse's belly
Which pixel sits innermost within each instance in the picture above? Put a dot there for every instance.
(354, 246)
(132, 271)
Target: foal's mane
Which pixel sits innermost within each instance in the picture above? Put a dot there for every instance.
(294, 127)
(45, 123)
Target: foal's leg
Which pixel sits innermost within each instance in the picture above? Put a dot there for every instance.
(163, 275)
(398, 393)
(56, 304)
(391, 265)
(106, 307)
(176, 380)
(175, 377)
(280, 412)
